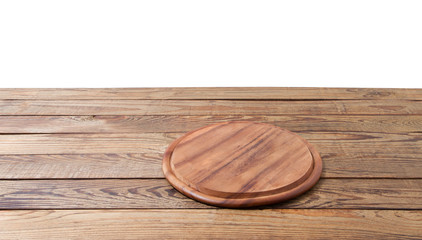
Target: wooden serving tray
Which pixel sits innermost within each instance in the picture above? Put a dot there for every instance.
(241, 164)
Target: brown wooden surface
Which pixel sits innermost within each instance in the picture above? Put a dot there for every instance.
(278, 93)
(97, 155)
(158, 193)
(211, 224)
(86, 163)
(210, 107)
(241, 164)
(144, 124)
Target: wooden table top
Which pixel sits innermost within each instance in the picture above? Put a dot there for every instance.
(86, 163)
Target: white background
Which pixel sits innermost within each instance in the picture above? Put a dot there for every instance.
(85, 43)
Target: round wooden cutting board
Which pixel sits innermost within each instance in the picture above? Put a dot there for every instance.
(241, 164)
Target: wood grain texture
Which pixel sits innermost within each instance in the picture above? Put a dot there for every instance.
(148, 143)
(75, 166)
(158, 193)
(211, 93)
(65, 142)
(211, 224)
(241, 164)
(345, 154)
(153, 142)
(148, 165)
(148, 124)
(208, 107)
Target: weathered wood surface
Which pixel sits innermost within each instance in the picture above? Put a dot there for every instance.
(92, 158)
(163, 123)
(209, 107)
(211, 224)
(241, 164)
(345, 154)
(157, 142)
(278, 93)
(158, 193)
(371, 164)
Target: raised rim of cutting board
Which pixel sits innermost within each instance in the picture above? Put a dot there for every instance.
(185, 189)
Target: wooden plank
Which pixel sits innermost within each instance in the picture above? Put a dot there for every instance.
(208, 107)
(157, 193)
(347, 154)
(73, 166)
(148, 165)
(211, 224)
(145, 124)
(147, 143)
(134, 142)
(158, 142)
(211, 93)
